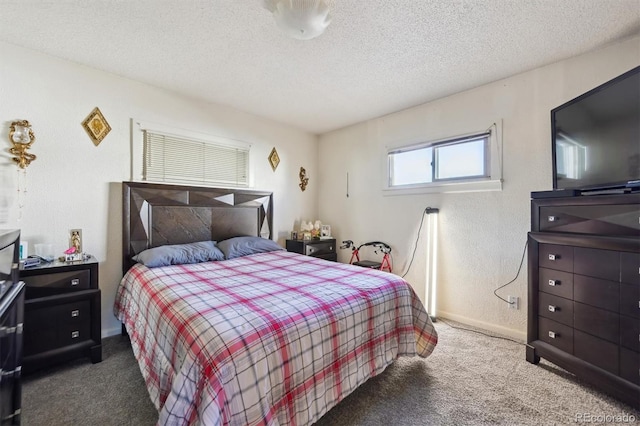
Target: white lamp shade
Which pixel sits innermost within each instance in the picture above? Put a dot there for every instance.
(300, 19)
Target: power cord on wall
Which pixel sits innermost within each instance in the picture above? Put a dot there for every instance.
(479, 332)
(495, 292)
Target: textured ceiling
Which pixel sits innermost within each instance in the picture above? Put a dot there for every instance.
(376, 57)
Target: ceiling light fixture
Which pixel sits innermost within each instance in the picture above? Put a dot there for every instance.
(301, 19)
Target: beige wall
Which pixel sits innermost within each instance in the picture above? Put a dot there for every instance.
(481, 234)
(74, 184)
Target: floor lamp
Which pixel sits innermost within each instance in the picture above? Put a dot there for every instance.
(432, 261)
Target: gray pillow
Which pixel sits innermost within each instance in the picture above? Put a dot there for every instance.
(243, 246)
(179, 254)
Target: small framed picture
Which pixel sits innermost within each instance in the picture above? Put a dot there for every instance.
(96, 126)
(325, 231)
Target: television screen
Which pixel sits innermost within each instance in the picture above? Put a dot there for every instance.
(596, 136)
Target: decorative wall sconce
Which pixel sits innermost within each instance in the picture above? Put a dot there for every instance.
(22, 137)
(304, 180)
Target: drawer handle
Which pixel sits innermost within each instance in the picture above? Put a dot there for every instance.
(75, 281)
(75, 334)
(553, 335)
(75, 313)
(554, 283)
(553, 308)
(554, 256)
(552, 218)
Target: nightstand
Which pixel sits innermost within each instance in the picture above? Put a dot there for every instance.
(324, 249)
(62, 313)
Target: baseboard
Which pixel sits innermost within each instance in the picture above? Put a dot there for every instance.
(111, 332)
(521, 336)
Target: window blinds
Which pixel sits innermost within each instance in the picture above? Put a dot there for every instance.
(176, 159)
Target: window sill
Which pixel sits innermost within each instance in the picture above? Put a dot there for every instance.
(442, 188)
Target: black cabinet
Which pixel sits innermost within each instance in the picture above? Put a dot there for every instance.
(11, 328)
(62, 313)
(584, 289)
(323, 248)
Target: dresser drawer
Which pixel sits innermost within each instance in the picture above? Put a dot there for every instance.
(56, 283)
(598, 322)
(630, 365)
(606, 219)
(556, 308)
(51, 327)
(630, 268)
(556, 257)
(556, 282)
(596, 351)
(597, 292)
(556, 334)
(630, 333)
(630, 300)
(597, 263)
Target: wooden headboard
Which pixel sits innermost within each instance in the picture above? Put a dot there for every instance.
(159, 214)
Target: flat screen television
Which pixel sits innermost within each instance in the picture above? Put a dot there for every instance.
(596, 137)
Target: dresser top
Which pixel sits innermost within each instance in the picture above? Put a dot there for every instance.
(57, 264)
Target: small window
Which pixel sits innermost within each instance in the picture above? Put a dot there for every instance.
(445, 161)
(178, 159)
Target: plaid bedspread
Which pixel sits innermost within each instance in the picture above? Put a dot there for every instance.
(269, 339)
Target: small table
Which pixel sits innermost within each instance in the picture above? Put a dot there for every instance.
(322, 248)
(62, 313)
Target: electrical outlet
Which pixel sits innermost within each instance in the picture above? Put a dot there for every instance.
(514, 302)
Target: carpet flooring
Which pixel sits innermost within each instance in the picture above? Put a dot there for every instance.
(470, 379)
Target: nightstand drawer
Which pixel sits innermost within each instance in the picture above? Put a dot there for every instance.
(316, 249)
(51, 327)
(324, 249)
(56, 283)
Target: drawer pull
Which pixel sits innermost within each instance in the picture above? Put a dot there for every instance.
(552, 218)
(75, 313)
(554, 256)
(75, 281)
(553, 308)
(76, 334)
(553, 335)
(554, 283)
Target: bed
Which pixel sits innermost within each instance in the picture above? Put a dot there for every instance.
(262, 336)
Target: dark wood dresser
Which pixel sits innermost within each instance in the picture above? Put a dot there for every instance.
(62, 313)
(584, 289)
(324, 249)
(11, 329)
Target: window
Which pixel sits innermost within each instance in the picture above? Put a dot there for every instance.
(459, 164)
(185, 159)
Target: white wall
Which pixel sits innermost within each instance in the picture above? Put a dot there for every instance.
(481, 234)
(74, 184)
